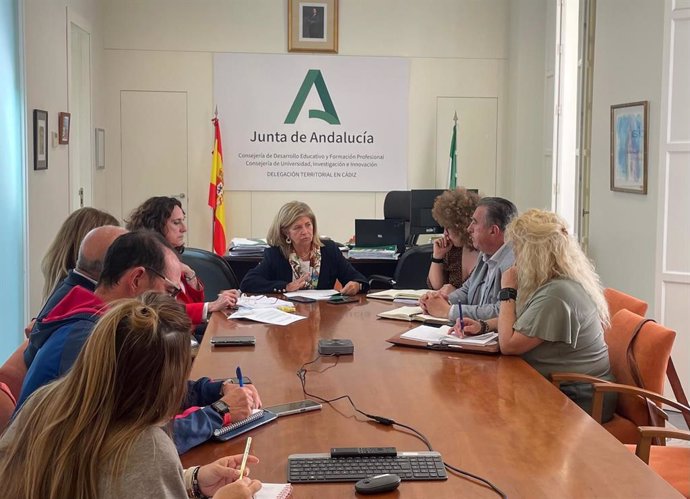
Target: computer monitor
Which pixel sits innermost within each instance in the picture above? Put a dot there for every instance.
(421, 203)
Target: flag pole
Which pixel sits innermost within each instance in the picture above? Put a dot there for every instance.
(452, 163)
(213, 209)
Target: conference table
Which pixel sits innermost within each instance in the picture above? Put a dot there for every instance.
(491, 415)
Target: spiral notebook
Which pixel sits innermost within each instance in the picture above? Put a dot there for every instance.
(257, 418)
(274, 491)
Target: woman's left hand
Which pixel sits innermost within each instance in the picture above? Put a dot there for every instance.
(351, 288)
(509, 278)
(222, 472)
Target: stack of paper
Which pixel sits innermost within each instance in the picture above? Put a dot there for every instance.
(240, 246)
(314, 294)
(376, 253)
(261, 301)
(266, 315)
(439, 336)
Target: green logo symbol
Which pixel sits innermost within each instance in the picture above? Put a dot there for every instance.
(329, 115)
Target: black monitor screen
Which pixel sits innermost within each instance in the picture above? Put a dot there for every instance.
(421, 204)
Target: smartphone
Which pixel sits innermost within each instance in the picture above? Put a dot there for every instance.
(294, 407)
(232, 341)
(302, 299)
(338, 299)
(236, 381)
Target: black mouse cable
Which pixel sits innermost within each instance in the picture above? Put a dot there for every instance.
(302, 375)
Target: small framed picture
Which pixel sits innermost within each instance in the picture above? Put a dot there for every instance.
(63, 128)
(99, 157)
(313, 26)
(40, 139)
(629, 139)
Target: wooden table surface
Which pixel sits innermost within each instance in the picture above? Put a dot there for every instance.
(493, 416)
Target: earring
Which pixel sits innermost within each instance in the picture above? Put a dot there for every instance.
(288, 240)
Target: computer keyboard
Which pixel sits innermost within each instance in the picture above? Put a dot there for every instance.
(309, 468)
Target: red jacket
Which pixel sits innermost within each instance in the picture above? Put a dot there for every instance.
(193, 300)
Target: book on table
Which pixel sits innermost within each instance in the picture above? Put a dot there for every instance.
(392, 294)
(437, 338)
(412, 314)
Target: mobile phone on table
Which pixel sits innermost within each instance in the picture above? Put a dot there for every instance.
(232, 341)
(294, 407)
(302, 299)
(339, 299)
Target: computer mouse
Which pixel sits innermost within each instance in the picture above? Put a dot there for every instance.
(377, 484)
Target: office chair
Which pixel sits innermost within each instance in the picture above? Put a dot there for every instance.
(650, 349)
(397, 205)
(213, 270)
(410, 272)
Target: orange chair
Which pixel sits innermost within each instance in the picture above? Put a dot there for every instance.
(651, 349)
(617, 300)
(671, 463)
(12, 375)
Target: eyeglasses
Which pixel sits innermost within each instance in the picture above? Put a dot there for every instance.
(174, 289)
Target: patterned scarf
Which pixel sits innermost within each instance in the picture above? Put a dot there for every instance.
(314, 267)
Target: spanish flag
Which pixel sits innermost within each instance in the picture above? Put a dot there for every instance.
(215, 193)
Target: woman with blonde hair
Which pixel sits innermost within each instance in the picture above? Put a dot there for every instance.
(62, 254)
(552, 306)
(98, 431)
(453, 257)
(299, 259)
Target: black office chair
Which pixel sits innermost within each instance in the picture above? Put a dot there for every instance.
(397, 205)
(410, 272)
(213, 270)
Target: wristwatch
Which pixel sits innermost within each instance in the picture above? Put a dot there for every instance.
(507, 294)
(220, 407)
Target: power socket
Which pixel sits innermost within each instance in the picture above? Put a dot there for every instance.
(336, 347)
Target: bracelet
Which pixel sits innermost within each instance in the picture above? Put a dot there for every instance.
(190, 278)
(436, 260)
(484, 327)
(196, 490)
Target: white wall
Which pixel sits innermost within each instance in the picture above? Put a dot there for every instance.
(456, 49)
(45, 46)
(627, 68)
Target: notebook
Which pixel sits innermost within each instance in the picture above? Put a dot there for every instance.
(274, 491)
(437, 338)
(257, 418)
(392, 294)
(412, 314)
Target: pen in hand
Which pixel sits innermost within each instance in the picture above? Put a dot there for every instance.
(245, 456)
(240, 379)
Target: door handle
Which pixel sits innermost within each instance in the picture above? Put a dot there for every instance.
(181, 195)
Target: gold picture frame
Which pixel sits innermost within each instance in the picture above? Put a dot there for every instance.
(629, 144)
(313, 26)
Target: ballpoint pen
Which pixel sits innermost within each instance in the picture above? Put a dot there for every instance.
(240, 379)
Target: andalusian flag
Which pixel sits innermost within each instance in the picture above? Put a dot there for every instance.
(453, 166)
(215, 193)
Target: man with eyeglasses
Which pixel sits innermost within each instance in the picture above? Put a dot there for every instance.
(135, 262)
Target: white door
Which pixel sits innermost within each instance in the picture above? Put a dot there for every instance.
(80, 134)
(154, 147)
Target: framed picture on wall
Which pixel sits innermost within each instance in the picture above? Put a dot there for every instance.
(313, 26)
(40, 139)
(63, 128)
(629, 138)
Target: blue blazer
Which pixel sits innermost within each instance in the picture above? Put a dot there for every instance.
(273, 273)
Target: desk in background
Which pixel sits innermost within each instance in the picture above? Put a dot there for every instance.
(243, 264)
(494, 416)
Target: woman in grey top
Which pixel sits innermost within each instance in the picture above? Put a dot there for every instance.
(98, 431)
(552, 306)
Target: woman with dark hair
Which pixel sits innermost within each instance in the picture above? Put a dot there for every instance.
(165, 215)
(453, 257)
(99, 430)
(299, 259)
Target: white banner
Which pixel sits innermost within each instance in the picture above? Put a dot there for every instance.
(312, 123)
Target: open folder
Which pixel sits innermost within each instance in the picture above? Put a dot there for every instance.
(437, 338)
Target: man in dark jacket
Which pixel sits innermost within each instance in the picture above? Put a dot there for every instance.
(134, 263)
